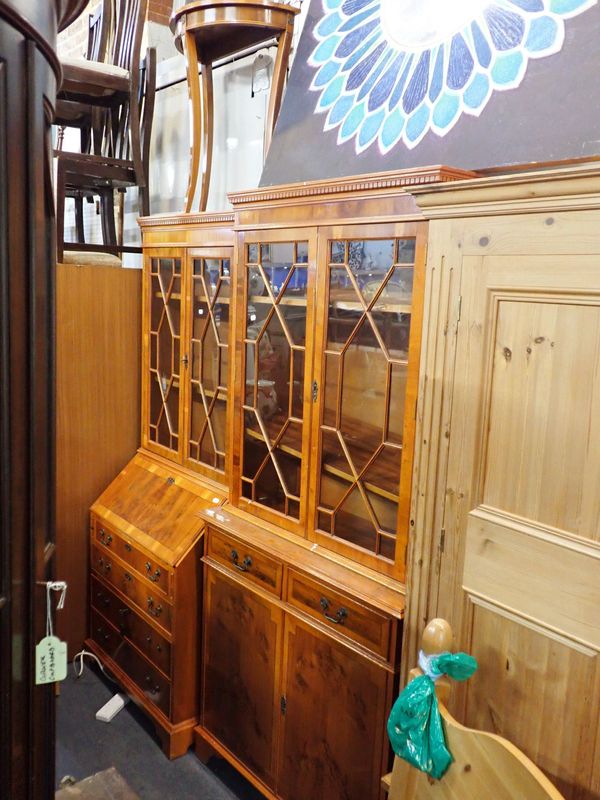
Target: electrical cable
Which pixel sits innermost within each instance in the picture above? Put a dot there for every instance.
(81, 655)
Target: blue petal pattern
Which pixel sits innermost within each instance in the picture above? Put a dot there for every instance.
(374, 91)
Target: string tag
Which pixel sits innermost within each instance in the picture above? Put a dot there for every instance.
(51, 653)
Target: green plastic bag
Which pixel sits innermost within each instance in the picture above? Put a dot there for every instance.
(415, 726)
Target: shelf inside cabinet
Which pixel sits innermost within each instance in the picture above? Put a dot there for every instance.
(284, 301)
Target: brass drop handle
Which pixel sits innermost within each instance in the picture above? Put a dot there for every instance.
(156, 575)
(128, 547)
(340, 614)
(153, 689)
(127, 576)
(105, 538)
(244, 566)
(153, 610)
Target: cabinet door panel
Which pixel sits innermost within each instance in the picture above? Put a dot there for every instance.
(206, 350)
(242, 643)
(276, 281)
(369, 319)
(163, 312)
(334, 725)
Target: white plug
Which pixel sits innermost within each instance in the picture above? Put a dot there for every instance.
(111, 709)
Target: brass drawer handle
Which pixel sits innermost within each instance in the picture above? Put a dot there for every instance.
(127, 576)
(105, 538)
(156, 575)
(340, 615)
(128, 547)
(153, 610)
(106, 564)
(244, 566)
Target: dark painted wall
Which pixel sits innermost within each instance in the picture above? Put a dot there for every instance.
(553, 114)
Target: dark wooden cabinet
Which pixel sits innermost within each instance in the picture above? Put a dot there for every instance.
(29, 73)
(336, 703)
(241, 656)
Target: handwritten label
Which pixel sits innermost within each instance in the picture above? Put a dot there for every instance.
(50, 660)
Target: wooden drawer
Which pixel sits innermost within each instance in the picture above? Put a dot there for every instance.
(148, 566)
(244, 560)
(138, 591)
(132, 625)
(149, 680)
(340, 612)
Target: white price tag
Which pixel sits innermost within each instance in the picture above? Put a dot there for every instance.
(51, 653)
(50, 660)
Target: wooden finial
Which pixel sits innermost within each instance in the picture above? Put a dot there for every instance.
(437, 637)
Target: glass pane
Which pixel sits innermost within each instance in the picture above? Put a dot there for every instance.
(406, 251)
(353, 523)
(209, 358)
(331, 383)
(383, 474)
(345, 308)
(274, 373)
(364, 396)
(256, 283)
(301, 252)
(200, 312)
(387, 547)
(298, 384)
(292, 306)
(253, 254)
(164, 355)
(211, 274)
(210, 361)
(397, 396)
(364, 385)
(338, 252)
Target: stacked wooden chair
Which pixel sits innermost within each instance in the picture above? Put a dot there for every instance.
(114, 101)
(484, 766)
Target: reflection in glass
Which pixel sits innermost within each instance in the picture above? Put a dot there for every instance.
(164, 361)
(209, 360)
(368, 331)
(274, 374)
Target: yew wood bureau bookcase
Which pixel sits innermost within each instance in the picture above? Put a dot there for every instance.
(271, 496)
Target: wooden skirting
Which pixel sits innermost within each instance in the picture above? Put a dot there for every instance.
(98, 324)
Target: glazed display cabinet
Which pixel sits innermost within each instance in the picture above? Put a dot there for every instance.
(272, 492)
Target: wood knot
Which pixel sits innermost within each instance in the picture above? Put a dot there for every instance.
(507, 353)
(539, 339)
(467, 768)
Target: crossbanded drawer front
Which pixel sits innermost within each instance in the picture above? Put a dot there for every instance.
(340, 612)
(246, 561)
(149, 680)
(132, 625)
(148, 566)
(143, 595)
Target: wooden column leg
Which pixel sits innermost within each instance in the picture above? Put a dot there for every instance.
(281, 61)
(79, 218)
(207, 133)
(60, 211)
(107, 211)
(193, 81)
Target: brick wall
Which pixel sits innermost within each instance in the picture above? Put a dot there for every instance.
(72, 42)
(160, 11)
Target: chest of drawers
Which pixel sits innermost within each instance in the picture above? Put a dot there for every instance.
(146, 544)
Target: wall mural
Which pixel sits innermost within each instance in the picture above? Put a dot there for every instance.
(391, 70)
(393, 84)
